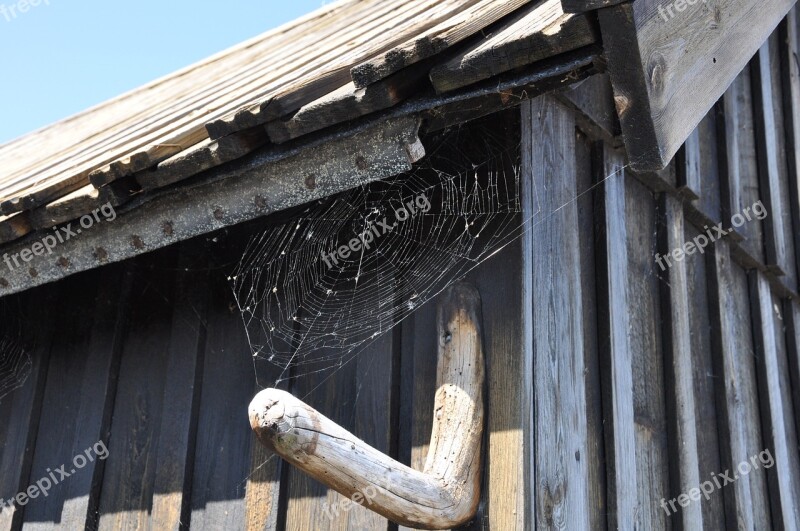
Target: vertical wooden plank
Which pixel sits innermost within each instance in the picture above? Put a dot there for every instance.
(86, 359)
(615, 350)
(704, 378)
(678, 362)
(783, 499)
(707, 165)
(61, 400)
(502, 326)
(228, 470)
(737, 390)
(740, 182)
(26, 403)
(561, 472)
(648, 365)
(789, 42)
(595, 442)
(418, 384)
(174, 450)
(792, 313)
(130, 469)
(768, 160)
(688, 176)
(784, 385)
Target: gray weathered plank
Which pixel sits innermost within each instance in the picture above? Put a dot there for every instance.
(561, 471)
(739, 185)
(732, 396)
(783, 499)
(654, 55)
(459, 27)
(769, 160)
(704, 378)
(228, 196)
(616, 365)
(538, 31)
(790, 74)
(681, 407)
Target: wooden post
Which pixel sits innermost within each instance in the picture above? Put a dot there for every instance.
(446, 493)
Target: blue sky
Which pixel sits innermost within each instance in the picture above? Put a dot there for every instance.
(64, 56)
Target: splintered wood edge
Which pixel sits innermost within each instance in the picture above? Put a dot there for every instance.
(447, 492)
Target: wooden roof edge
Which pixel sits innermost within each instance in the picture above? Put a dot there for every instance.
(276, 177)
(227, 197)
(215, 160)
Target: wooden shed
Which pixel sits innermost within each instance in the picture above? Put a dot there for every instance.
(594, 201)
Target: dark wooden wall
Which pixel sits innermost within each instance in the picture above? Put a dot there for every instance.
(612, 383)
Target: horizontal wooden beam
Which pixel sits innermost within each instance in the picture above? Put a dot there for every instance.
(266, 182)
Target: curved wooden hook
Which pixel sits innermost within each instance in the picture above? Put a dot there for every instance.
(446, 493)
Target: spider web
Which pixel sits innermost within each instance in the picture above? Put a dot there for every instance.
(15, 361)
(316, 290)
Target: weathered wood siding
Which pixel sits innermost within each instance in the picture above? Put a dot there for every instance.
(612, 383)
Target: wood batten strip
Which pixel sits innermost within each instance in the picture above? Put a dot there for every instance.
(348, 103)
(561, 441)
(768, 171)
(616, 355)
(81, 202)
(739, 184)
(733, 393)
(14, 226)
(688, 167)
(789, 41)
(783, 498)
(462, 25)
(539, 31)
(683, 442)
(791, 310)
(206, 155)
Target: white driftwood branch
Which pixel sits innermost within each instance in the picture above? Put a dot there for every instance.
(446, 493)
